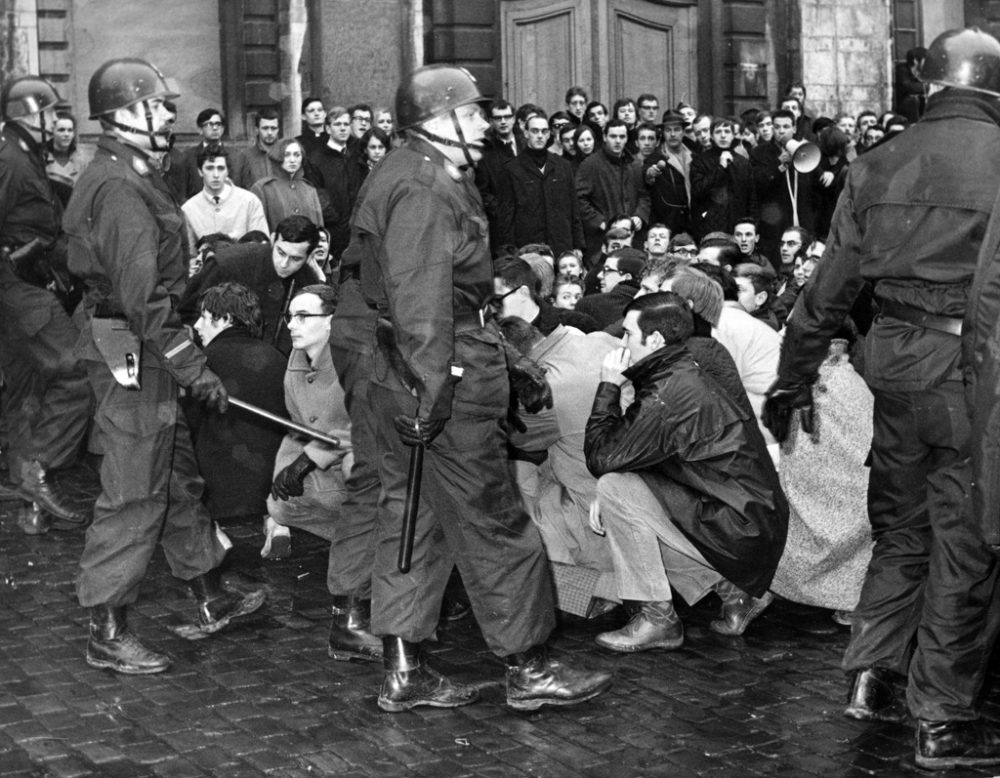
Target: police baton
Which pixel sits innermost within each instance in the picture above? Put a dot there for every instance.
(410, 508)
(287, 423)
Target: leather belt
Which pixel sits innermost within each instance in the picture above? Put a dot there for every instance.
(911, 315)
(463, 321)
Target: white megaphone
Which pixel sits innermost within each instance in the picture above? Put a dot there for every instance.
(806, 156)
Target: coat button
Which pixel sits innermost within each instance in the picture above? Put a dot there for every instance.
(312, 419)
(310, 379)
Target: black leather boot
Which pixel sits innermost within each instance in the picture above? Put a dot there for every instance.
(218, 606)
(738, 609)
(36, 488)
(654, 625)
(942, 745)
(534, 679)
(113, 647)
(349, 635)
(873, 696)
(410, 682)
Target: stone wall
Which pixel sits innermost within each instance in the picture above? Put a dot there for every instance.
(845, 51)
(363, 45)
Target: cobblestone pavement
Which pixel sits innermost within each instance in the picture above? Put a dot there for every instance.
(263, 699)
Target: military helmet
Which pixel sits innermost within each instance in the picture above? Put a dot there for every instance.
(27, 95)
(434, 90)
(965, 59)
(121, 83)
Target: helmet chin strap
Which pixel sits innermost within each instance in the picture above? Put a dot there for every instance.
(42, 129)
(461, 143)
(154, 137)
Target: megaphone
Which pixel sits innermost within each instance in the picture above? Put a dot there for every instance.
(806, 156)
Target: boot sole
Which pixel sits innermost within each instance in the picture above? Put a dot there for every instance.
(535, 704)
(867, 714)
(110, 664)
(353, 656)
(401, 707)
(947, 762)
(664, 645)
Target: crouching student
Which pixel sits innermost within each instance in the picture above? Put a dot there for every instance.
(688, 496)
(309, 476)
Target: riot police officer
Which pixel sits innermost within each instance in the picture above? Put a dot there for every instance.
(910, 223)
(127, 242)
(422, 237)
(47, 401)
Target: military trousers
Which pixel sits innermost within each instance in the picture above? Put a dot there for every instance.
(926, 608)
(150, 490)
(471, 516)
(47, 400)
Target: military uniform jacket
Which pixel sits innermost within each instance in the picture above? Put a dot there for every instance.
(425, 263)
(29, 207)
(127, 242)
(910, 221)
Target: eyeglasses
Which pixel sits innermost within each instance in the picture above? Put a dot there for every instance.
(689, 250)
(497, 300)
(606, 269)
(300, 318)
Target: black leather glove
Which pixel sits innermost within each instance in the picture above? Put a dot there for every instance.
(527, 382)
(290, 481)
(781, 404)
(209, 388)
(417, 431)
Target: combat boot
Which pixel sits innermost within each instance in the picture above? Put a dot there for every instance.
(112, 646)
(349, 635)
(942, 745)
(738, 609)
(654, 625)
(874, 696)
(36, 488)
(534, 679)
(217, 606)
(410, 682)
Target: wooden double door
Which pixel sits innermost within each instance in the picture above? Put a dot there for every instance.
(613, 48)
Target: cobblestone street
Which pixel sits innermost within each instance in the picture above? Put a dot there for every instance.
(262, 697)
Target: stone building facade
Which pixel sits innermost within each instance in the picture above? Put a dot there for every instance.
(721, 55)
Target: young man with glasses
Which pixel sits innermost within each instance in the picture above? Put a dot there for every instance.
(183, 174)
(361, 119)
(536, 196)
(619, 278)
(500, 145)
